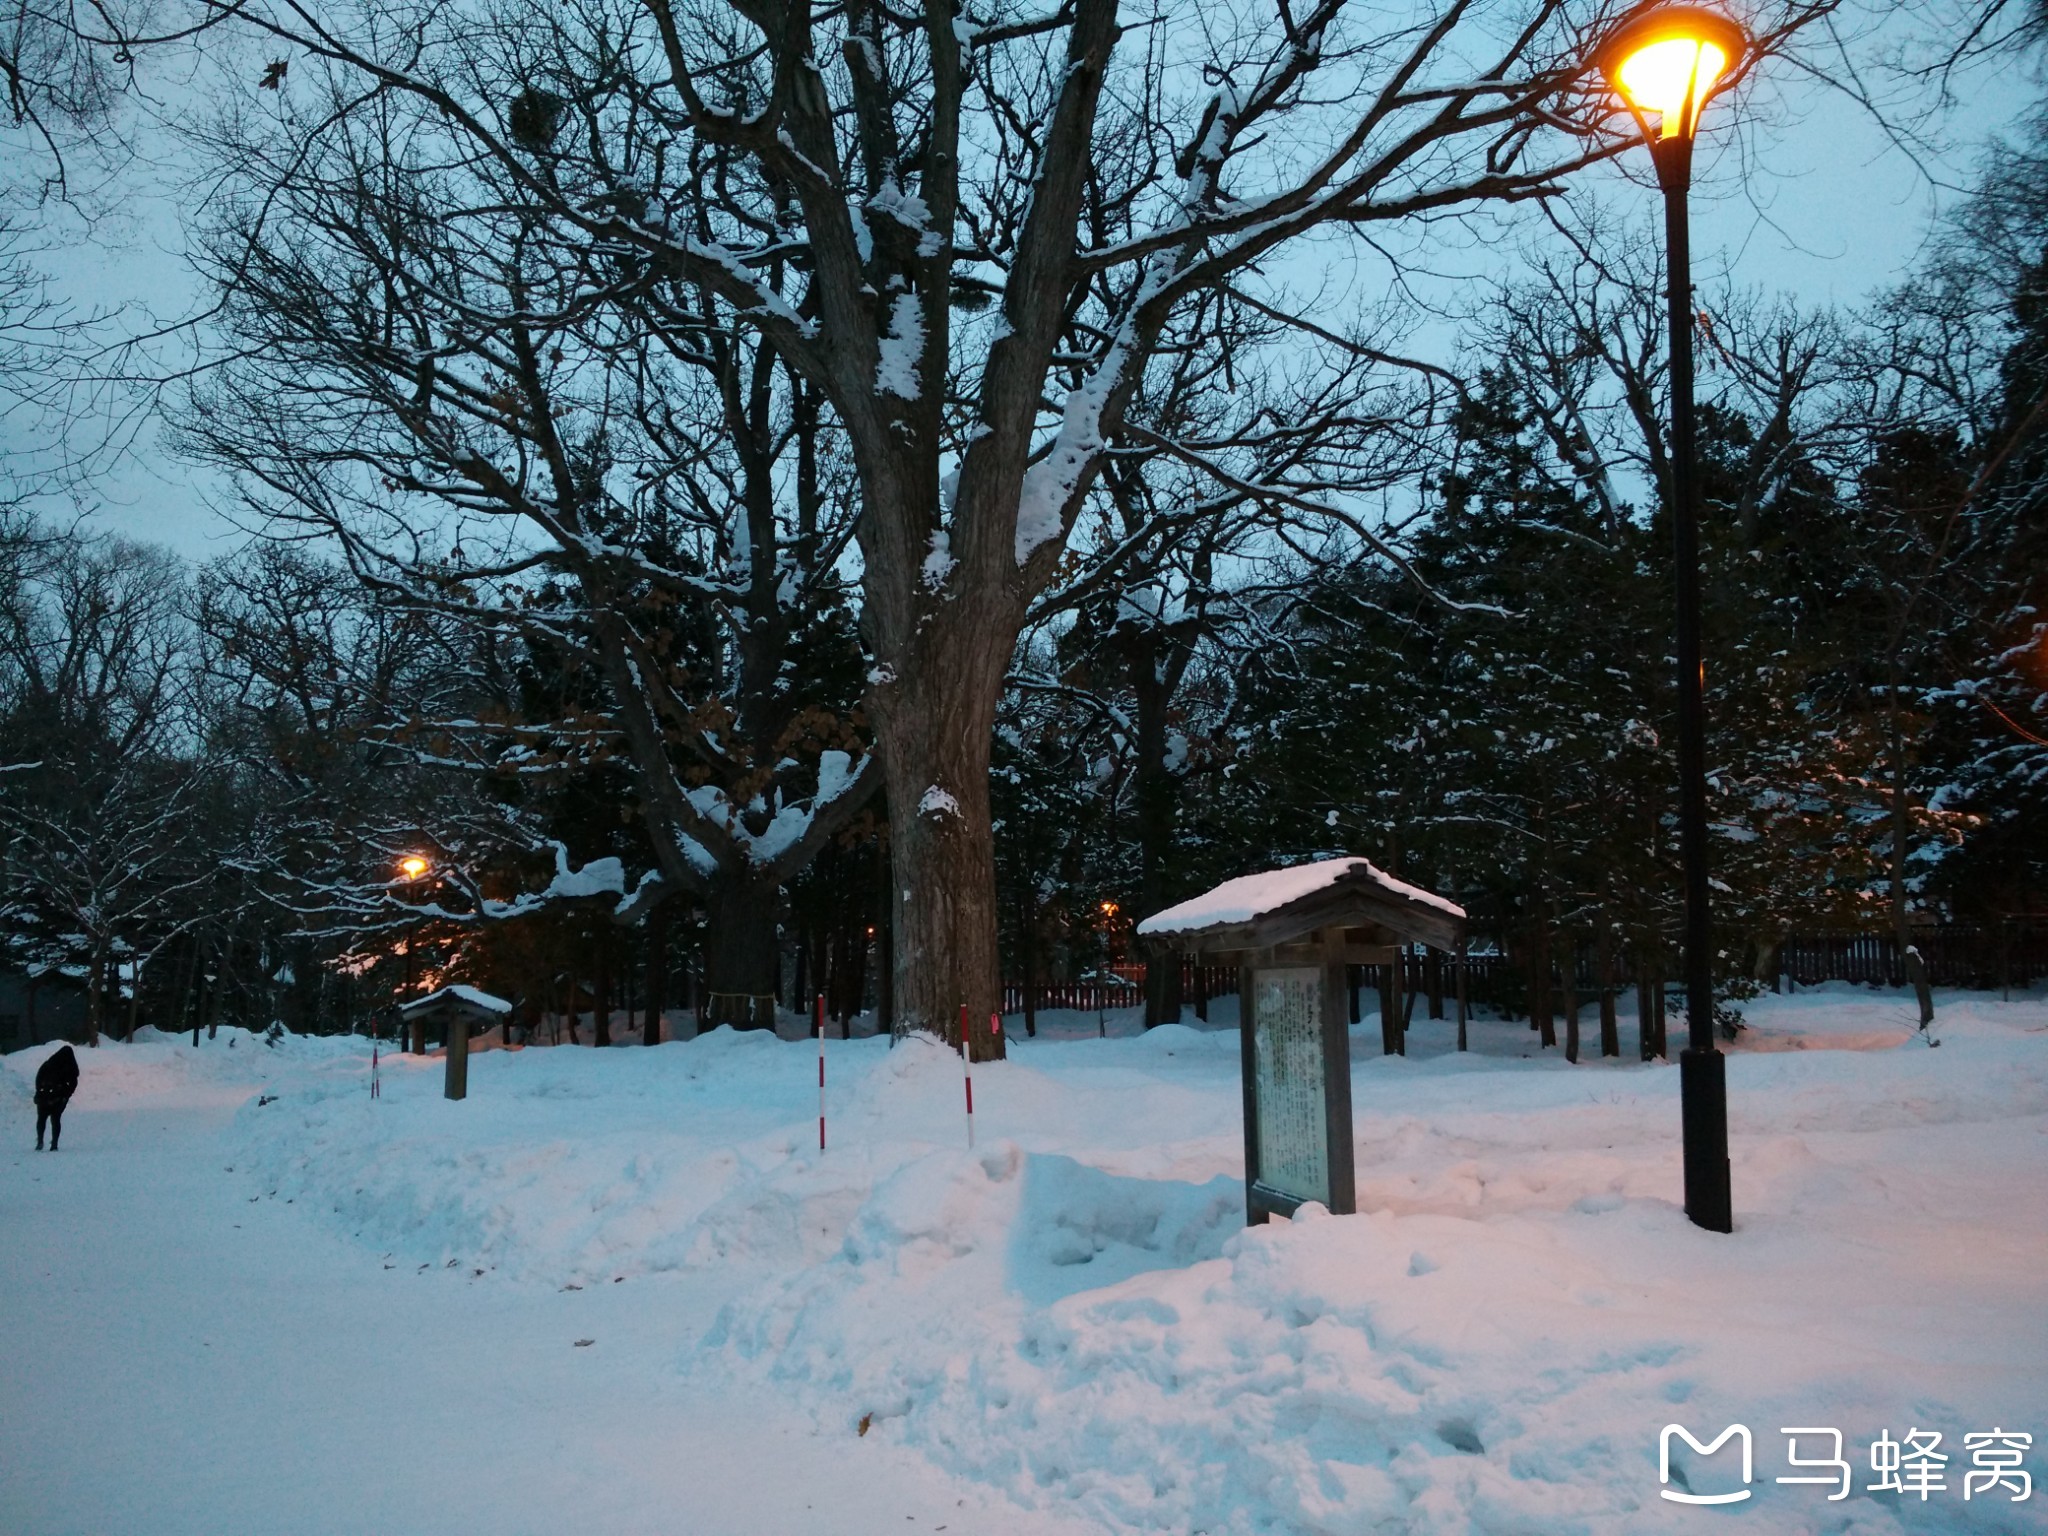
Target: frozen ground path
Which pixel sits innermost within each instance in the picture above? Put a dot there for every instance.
(177, 1357)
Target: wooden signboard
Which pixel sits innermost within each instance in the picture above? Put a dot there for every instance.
(1297, 1077)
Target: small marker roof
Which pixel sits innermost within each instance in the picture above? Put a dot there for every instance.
(1255, 911)
(474, 996)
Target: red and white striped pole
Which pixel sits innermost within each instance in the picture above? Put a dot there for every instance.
(967, 1071)
(821, 1071)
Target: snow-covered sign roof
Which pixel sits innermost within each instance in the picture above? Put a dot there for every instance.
(1256, 911)
(476, 997)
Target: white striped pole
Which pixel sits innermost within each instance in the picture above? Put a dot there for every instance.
(821, 1071)
(967, 1072)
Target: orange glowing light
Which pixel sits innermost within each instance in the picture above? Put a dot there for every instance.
(1667, 62)
(412, 866)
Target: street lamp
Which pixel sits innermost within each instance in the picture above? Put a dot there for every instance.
(1665, 64)
(412, 867)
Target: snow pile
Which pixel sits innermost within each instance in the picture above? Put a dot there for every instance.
(556, 1168)
(1496, 1343)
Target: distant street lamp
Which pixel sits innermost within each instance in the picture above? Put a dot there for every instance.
(1664, 64)
(1102, 973)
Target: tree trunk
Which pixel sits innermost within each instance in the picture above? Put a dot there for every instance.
(934, 728)
(1390, 1012)
(1162, 990)
(134, 998)
(186, 1002)
(657, 973)
(209, 993)
(1610, 1027)
(95, 991)
(1568, 969)
(1462, 993)
(740, 950)
(1901, 846)
(601, 999)
(807, 982)
(1539, 984)
(1158, 807)
(1027, 954)
(1657, 1005)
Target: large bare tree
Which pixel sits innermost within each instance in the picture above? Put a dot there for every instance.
(967, 229)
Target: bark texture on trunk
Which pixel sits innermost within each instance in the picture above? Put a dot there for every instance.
(741, 953)
(935, 726)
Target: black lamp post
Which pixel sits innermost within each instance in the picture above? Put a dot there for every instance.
(413, 867)
(1664, 64)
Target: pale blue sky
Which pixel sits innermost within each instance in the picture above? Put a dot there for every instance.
(1810, 198)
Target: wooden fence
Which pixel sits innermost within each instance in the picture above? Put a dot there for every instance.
(1984, 955)
(2012, 954)
(1120, 986)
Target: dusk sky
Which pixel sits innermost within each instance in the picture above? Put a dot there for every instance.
(1808, 195)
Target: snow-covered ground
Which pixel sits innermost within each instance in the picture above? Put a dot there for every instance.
(620, 1291)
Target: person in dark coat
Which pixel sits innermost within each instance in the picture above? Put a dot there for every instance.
(56, 1081)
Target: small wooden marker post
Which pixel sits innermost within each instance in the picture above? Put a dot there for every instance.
(456, 1081)
(1293, 934)
(458, 1010)
(967, 1072)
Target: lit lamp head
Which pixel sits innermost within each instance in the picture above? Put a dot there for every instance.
(1664, 64)
(412, 866)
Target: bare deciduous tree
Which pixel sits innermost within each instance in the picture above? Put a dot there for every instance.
(966, 230)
